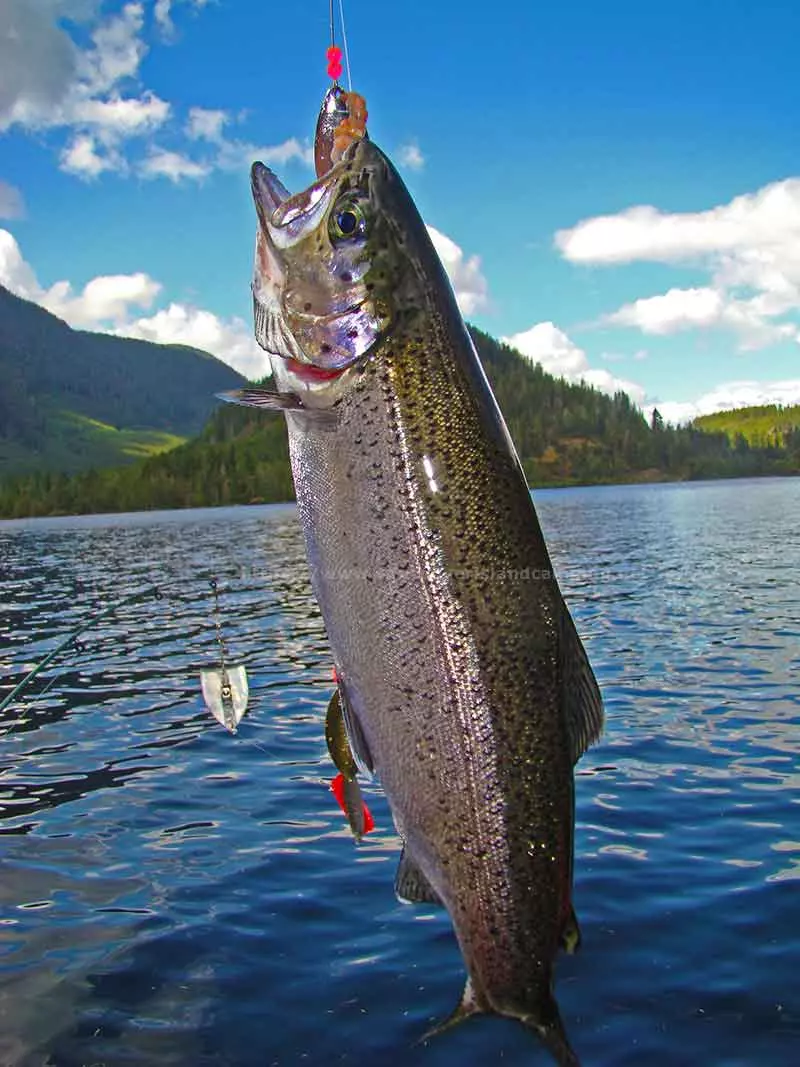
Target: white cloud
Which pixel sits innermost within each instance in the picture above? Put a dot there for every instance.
(410, 156)
(82, 158)
(117, 53)
(50, 83)
(15, 273)
(93, 93)
(231, 340)
(469, 284)
(104, 299)
(679, 309)
(163, 13)
(206, 124)
(107, 304)
(684, 309)
(233, 155)
(163, 164)
(546, 344)
(121, 116)
(12, 206)
(37, 57)
(750, 248)
(728, 396)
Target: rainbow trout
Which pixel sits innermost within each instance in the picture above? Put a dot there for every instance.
(462, 682)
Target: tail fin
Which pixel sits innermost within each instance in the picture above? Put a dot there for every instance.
(548, 1026)
(467, 1006)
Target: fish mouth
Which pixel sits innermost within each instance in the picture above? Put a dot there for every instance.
(286, 218)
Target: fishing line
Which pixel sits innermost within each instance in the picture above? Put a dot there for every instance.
(344, 42)
(62, 646)
(334, 53)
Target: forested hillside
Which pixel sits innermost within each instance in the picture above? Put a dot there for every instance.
(768, 426)
(71, 400)
(566, 434)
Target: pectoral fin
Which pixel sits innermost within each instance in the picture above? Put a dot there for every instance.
(254, 397)
(411, 885)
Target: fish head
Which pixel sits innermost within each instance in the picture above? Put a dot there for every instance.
(332, 263)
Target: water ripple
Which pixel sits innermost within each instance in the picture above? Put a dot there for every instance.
(175, 895)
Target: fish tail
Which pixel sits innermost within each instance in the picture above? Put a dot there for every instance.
(548, 1026)
(467, 1006)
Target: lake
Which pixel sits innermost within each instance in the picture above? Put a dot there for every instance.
(172, 894)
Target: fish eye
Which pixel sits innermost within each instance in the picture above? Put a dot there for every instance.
(347, 221)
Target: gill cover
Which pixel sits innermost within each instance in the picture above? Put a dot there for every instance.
(314, 299)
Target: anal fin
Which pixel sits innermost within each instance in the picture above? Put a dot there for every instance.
(411, 885)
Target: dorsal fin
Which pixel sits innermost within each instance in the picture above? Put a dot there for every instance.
(583, 704)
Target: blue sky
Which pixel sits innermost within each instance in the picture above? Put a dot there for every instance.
(615, 187)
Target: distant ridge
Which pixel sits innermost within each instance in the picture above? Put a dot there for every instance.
(762, 426)
(70, 400)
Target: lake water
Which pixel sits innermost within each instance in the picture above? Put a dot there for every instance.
(170, 894)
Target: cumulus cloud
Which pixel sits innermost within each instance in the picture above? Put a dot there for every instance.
(750, 247)
(233, 155)
(409, 155)
(37, 57)
(206, 124)
(684, 309)
(546, 344)
(163, 164)
(12, 206)
(49, 83)
(104, 299)
(231, 340)
(112, 304)
(469, 284)
(94, 95)
(163, 13)
(82, 157)
(15, 273)
(107, 299)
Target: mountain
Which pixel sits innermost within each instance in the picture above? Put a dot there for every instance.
(566, 434)
(71, 400)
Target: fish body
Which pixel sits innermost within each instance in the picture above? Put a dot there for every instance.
(465, 685)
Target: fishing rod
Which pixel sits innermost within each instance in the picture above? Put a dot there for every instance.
(71, 639)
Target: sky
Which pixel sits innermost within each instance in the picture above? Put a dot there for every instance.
(613, 187)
